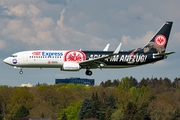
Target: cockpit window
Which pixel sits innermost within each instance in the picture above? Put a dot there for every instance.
(13, 55)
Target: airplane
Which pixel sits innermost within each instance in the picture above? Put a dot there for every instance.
(75, 60)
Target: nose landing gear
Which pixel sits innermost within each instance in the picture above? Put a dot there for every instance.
(20, 72)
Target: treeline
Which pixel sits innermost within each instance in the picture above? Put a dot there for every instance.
(125, 99)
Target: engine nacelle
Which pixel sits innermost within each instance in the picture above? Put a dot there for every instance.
(70, 66)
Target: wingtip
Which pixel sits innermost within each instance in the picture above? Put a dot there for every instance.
(116, 51)
(107, 47)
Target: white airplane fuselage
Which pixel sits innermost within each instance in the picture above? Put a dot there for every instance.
(37, 59)
(74, 60)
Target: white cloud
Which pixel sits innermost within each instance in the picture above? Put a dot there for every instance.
(19, 10)
(33, 11)
(22, 10)
(28, 27)
(41, 24)
(137, 42)
(60, 21)
(45, 37)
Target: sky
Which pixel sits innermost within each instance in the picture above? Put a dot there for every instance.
(86, 25)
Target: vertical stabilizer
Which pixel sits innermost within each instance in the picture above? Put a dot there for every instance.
(159, 42)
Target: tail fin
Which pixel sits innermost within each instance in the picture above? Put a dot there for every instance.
(159, 42)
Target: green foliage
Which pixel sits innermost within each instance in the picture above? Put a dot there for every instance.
(42, 115)
(139, 93)
(117, 115)
(130, 111)
(64, 117)
(19, 97)
(72, 111)
(21, 113)
(108, 113)
(149, 99)
(86, 109)
(124, 84)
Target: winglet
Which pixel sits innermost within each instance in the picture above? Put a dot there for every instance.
(116, 51)
(106, 48)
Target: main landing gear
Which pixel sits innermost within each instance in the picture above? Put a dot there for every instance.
(88, 72)
(20, 72)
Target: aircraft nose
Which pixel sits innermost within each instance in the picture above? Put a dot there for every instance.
(7, 60)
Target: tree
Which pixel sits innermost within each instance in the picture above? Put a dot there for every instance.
(5, 94)
(108, 83)
(130, 111)
(160, 110)
(102, 84)
(144, 82)
(42, 115)
(117, 115)
(20, 97)
(115, 83)
(96, 104)
(72, 111)
(86, 109)
(21, 112)
(176, 115)
(108, 113)
(124, 84)
(64, 117)
(176, 83)
(167, 82)
(133, 81)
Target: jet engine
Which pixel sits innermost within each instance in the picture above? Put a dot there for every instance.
(70, 66)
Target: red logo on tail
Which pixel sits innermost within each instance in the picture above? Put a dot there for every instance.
(160, 40)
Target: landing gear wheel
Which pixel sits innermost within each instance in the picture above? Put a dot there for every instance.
(88, 72)
(20, 72)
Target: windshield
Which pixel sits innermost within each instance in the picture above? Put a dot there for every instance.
(13, 55)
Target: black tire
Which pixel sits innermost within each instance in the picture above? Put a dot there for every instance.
(88, 72)
(20, 72)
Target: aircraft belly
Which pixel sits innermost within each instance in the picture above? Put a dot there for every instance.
(39, 66)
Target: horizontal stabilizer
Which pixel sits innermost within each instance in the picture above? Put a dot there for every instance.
(162, 54)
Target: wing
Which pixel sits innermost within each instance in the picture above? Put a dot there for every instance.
(98, 62)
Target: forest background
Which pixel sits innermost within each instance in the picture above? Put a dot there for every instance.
(149, 99)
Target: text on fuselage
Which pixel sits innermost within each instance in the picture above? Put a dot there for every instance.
(122, 58)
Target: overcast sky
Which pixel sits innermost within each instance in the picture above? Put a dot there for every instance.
(86, 25)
